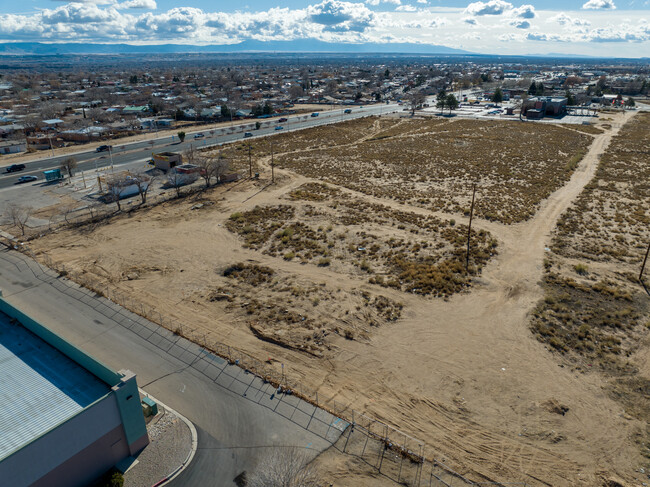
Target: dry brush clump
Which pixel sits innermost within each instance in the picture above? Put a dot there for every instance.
(295, 313)
(434, 164)
(587, 129)
(407, 251)
(599, 320)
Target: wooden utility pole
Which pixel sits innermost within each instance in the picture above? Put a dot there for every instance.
(250, 164)
(469, 227)
(272, 165)
(645, 259)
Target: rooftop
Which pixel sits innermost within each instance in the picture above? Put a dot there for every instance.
(40, 387)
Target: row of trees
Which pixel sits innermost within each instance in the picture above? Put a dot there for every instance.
(446, 100)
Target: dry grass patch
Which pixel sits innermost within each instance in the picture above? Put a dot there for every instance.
(295, 313)
(403, 250)
(610, 219)
(434, 163)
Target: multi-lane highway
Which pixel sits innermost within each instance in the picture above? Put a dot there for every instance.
(132, 152)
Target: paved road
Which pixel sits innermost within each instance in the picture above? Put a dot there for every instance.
(237, 416)
(128, 153)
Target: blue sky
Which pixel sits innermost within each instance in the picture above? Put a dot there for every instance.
(592, 27)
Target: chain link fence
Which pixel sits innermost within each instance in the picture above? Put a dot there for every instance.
(390, 451)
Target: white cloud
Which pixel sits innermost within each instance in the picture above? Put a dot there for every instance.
(493, 7)
(599, 5)
(422, 1)
(406, 8)
(144, 4)
(564, 19)
(524, 12)
(508, 37)
(341, 16)
(431, 23)
(483, 26)
(628, 33)
(520, 24)
(377, 2)
(78, 13)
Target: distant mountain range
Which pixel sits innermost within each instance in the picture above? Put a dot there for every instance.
(297, 46)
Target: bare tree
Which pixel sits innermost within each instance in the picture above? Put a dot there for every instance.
(176, 180)
(416, 99)
(190, 155)
(144, 181)
(19, 214)
(117, 187)
(69, 164)
(67, 210)
(284, 467)
(211, 167)
(51, 109)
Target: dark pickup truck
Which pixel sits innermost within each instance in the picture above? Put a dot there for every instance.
(15, 168)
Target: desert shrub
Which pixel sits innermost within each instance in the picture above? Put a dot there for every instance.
(581, 269)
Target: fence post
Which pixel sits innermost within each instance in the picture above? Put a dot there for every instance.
(350, 430)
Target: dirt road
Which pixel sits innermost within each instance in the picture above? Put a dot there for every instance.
(463, 374)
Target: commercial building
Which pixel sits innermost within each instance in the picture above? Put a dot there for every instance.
(65, 418)
(167, 160)
(541, 106)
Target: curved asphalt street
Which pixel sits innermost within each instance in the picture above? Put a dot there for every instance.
(132, 152)
(237, 416)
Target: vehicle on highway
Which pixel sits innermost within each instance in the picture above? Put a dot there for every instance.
(347, 110)
(26, 179)
(279, 127)
(282, 120)
(15, 167)
(104, 148)
(199, 136)
(315, 114)
(248, 134)
(53, 175)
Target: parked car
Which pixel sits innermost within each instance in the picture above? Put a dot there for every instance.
(315, 114)
(279, 127)
(26, 179)
(199, 136)
(248, 134)
(282, 120)
(104, 148)
(15, 168)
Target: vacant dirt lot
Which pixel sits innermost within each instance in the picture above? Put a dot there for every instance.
(327, 279)
(432, 164)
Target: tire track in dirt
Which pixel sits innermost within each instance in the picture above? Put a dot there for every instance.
(482, 331)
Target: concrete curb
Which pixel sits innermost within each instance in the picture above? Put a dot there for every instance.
(195, 443)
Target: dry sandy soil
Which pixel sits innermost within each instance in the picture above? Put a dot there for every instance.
(459, 369)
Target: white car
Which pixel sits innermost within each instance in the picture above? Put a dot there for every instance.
(26, 179)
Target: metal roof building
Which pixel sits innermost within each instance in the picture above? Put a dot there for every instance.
(65, 418)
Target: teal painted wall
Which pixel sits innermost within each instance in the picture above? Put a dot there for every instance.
(128, 402)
